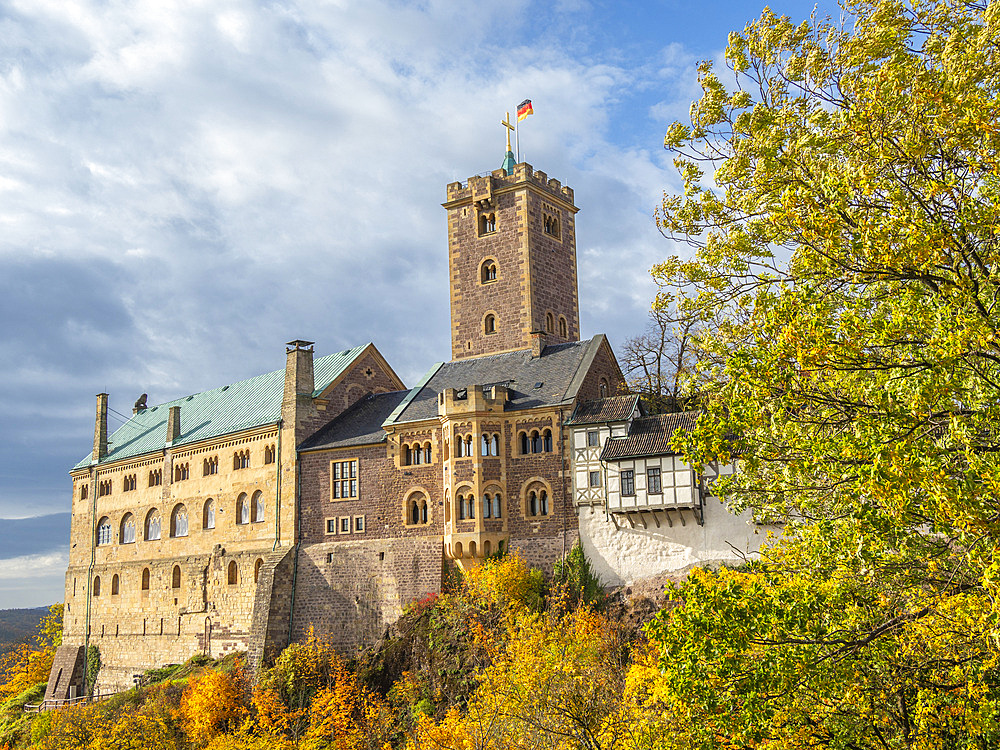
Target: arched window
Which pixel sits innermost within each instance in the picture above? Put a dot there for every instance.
(461, 507)
(127, 534)
(470, 510)
(486, 444)
(258, 507)
(536, 442)
(175, 578)
(490, 324)
(97, 586)
(104, 531)
(418, 454)
(268, 454)
(179, 521)
(152, 526)
(563, 329)
(603, 388)
(496, 506)
(208, 515)
(487, 507)
(488, 271)
(233, 575)
(416, 509)
(83, 492)
(550, 323)
(532, 503)
(114, 585)
(407, 456)
(547, 441)
(495, 445)
(242, 509)
(468, 446)
(427, 453)
(487, 223)
(256, 569)
(543, 498)
(525, 443)
(145, 579)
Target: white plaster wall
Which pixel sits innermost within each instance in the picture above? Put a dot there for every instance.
(624, 555)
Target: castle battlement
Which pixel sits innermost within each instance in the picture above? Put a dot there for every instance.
(498, 181)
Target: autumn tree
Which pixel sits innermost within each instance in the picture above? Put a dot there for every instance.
(211, 705)
(841, 194)
(28, 664)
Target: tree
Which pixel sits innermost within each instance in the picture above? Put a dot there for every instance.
(211, 705)
(660, 364)
(842, 195)
(28, 664)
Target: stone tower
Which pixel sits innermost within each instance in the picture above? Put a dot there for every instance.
(512, 262)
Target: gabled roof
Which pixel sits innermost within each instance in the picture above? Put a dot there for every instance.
(361, 424)
(242, 405)
(649, 436)
(548, 380)
(602, 410)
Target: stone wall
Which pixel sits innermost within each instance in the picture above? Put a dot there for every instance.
(349, 592)
(621, 554)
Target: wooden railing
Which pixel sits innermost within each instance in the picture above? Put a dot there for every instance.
(47, 705)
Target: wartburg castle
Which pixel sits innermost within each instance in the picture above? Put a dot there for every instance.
(328, 495)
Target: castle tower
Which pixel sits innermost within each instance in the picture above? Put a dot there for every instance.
(512, 262)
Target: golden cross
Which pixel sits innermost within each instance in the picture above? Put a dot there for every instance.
(506, 124)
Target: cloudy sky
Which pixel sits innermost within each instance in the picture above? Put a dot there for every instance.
(185, 186)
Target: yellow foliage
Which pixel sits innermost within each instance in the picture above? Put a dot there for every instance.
(346, 716)
(247, 741)
(506, 582)
(133, 731)
(211, 704)
(24, 667)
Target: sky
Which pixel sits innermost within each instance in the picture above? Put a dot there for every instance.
(185, 186)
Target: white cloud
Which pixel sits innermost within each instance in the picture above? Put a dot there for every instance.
(34, 566)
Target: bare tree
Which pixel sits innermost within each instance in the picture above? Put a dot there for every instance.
(660, 364)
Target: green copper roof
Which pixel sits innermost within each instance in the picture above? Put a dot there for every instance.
(222, 411)
(508, 163)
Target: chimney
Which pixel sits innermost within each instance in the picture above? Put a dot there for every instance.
(537, 343)
(298, 369)
(173, 424)
(298, 412)
(101, 429)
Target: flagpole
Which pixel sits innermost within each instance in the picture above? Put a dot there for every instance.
(517, 139)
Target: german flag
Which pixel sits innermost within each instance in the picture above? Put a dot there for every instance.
(524, 109)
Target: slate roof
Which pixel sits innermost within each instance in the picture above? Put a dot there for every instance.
(602, 410)
(221, 411)
(551, 379)
(649, 436)
(361, 424)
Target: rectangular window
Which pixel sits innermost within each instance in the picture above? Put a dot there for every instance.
(359, 524)
(345, 525)
(344, 479)
(628, 482)
(595, 479)
(331, 526)
(653, 485)
(593, 440)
